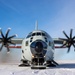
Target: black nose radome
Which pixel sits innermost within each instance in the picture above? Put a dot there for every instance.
(38, 47)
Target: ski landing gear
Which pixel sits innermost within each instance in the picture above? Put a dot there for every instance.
(24, 63)
(51, 63)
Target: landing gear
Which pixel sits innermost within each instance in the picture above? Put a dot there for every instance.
(24, 63)
(51, 63)
(37, 63)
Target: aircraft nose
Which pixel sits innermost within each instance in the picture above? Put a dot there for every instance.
(38, 47)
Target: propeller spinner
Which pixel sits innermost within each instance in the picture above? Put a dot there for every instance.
(5, 40)
(69, 40)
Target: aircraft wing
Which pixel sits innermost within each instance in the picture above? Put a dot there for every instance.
(68, 41)
(58, 41)
(65, 43)
(17, 40)
(9, 41)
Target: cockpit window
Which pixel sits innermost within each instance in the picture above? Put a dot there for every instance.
(43, 34)
(38, 34)
(29, 35)
(33, 34)
(26, 43)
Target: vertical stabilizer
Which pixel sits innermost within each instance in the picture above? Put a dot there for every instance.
(36, 25)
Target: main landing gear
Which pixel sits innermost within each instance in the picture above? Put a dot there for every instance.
(38, 63)
(24, 63)
(51, 63)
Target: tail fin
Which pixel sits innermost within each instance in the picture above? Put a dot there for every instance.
(36, 25)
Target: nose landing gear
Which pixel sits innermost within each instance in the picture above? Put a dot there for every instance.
(37, 63)
(24, 63)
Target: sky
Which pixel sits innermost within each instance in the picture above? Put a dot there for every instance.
(53, 16)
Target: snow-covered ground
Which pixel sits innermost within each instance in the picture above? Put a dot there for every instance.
(64, 68)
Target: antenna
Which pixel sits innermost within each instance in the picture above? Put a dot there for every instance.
(36, 25)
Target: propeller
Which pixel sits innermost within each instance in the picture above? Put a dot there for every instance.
(6, 40)
(69, 41)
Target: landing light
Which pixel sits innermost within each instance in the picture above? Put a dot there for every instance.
(44, 56)
(32, 56)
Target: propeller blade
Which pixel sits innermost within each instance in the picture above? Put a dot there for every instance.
(63, 45)
(7, 32)
(0, 38)
(2, 34)
(69, 41)
(8, 50)
(7, 46)
(71, 33)
(1, 47)
(73, 45)
(11, 36)
(65, 34)
(5, 40)
(74, 41)
(73, 37)
(11, 42)
(68, 49)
